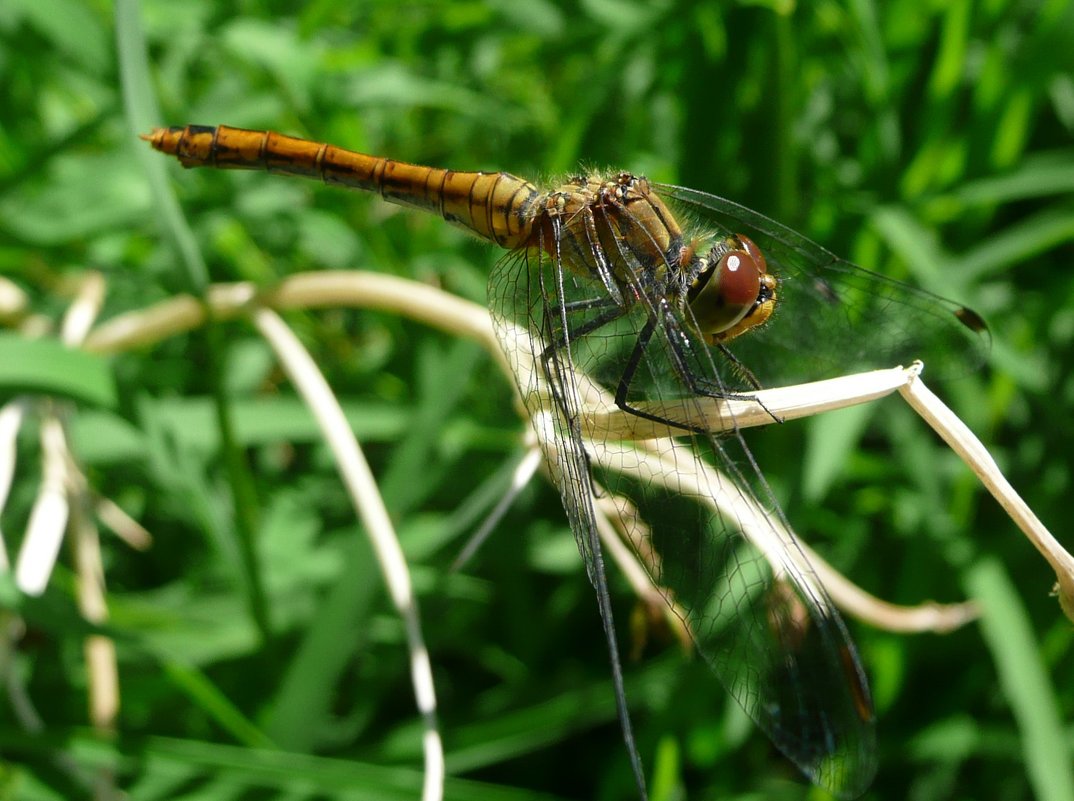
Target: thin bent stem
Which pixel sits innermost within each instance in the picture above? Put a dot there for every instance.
(358, 479)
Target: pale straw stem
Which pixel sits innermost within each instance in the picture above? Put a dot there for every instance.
(13, 301)
(83, 311)
(963, 441)
(100, 651)
(676, 467)
(48, 517)
(12, 415)
(123, 525)
(752, 409)
(358, 479)
(326, 289)
(613, 536)
(520, 477)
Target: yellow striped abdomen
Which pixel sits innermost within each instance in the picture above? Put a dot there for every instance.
(496, 206)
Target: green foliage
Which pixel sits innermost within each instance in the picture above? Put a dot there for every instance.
(258, 654)
(45, 366)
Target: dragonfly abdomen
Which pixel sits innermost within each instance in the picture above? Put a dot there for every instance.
(496, 206)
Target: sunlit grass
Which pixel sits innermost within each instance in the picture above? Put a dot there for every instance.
(929, 143)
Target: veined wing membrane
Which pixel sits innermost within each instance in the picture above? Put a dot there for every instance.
(834, 317)
(719, 549)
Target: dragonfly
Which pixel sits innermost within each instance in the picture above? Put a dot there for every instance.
(656, 294)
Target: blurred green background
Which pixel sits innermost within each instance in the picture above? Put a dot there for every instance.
(258, 654)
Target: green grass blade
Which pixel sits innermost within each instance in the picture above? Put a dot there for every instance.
(1025, 682)
(46, 366)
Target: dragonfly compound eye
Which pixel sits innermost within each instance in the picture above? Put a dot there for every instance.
(747, 244)
(738, 276)
(735, 286)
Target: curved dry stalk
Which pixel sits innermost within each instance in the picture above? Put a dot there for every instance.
(623, 533)
(520, 478)
(326, 289)
(12, 415)
(83, 311)
(102, 668)
(51, 510)
(99, 651)
(447, 312)
(48, 515)
(133, 533)
(360, 484)
(963, 441)
(750, 408)
(660, 460)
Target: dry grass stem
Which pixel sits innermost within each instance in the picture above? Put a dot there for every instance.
(602, 419)
(48, 516)
(966, 444)
(368, 504)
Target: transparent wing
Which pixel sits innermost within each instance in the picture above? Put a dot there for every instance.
(718, 547)
(519, 298)
(831, 316)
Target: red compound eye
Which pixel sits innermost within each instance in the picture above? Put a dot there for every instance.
(738, 278)
(751, 248)
(732, 292)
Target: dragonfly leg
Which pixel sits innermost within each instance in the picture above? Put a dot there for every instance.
(577, 240)
(588, 304)
(560, 340)
(558, 337)
(604, 268)
(746, 372)
(697, 386)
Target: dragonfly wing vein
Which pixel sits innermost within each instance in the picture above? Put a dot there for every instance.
(834, 317)
(724, 561)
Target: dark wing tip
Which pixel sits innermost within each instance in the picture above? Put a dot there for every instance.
(972, 320)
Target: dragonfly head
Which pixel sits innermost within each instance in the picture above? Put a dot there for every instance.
(733, 291)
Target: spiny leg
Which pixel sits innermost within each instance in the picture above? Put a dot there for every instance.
(746, 372)
(697, 385)
(586, 532)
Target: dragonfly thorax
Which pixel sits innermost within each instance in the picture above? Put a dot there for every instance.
(621, 233)
(616, 230)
